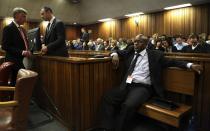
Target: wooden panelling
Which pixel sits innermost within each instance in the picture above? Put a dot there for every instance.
(88, 54)
(75, 86)
(72, 32)
(184, 21)
(201, 97)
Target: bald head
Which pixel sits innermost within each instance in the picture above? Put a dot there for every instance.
(140, 42)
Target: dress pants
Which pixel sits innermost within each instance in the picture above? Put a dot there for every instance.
(15, 70)
(119, 105)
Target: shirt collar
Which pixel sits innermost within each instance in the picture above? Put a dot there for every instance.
(142, 53)
(193, 47)
(52, 19)
(16, 24)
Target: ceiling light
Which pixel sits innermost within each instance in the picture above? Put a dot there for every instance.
(178, 6)
(134, 14)
(106, 19)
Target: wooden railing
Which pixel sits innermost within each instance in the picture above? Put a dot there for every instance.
(72, 87)
(76, 85)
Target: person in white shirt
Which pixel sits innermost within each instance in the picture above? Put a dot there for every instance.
(179, 44)
(141, 81)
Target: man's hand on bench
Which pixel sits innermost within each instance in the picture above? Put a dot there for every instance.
(198, 68)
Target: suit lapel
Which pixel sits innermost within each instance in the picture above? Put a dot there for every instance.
(150, 60)
(131, 58)
(51, 28)
(16, 29)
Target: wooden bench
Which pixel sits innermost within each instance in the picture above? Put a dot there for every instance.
(179, 82)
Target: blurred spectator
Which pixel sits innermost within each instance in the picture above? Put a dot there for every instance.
(159, 46)
(77, 44)
(152, 41)
(179, 44)
(91, 45)
(114, 46)
(122, 44)
(195, 46)
(107, 45)
(167, 44)
(208, 40)
(99, 45)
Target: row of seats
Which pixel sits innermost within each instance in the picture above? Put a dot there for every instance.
(14, 112)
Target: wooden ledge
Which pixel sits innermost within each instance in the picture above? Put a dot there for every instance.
(171, 117)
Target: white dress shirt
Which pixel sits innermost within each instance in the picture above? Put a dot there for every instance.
(51, 21)
(180, 46)
(141, 73)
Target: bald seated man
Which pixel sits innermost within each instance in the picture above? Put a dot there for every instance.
(141, 81)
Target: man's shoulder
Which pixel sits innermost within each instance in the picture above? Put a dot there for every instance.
(9, 27)
(58, 21)
(154, 52)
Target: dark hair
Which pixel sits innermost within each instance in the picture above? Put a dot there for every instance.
(47, 8)
(179, 36)
(191, 36)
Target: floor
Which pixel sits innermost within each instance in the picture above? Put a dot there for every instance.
(40, 120)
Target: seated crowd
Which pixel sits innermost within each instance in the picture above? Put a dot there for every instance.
(192, 44)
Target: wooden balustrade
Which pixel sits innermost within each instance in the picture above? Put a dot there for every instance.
(76, 85)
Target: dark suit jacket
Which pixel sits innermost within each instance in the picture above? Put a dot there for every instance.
(157, 62)
(13, 44)
(199, 49)
(55, 39)
(85, 37)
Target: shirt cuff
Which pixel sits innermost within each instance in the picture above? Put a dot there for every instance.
(114, 54)
(22, 52)
(189, 65)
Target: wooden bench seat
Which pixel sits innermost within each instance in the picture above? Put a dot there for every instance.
(170, 117)
(177, 81)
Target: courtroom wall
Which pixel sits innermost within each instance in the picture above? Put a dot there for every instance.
(179, 21)
(72, 31)
(63, 9)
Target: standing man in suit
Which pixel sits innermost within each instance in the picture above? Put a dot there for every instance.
(54, 39)
(84, 38)
(14, 42)
(141, 81)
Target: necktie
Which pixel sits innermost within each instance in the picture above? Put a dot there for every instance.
(24, 37)
(133, 63)
(48, 28)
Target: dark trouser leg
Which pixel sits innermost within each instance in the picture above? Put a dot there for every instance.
(135, 97)
(15, 70)
(14, 76)
(111, 101)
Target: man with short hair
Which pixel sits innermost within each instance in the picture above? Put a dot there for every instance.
(178, 46)
(195, 46)
(54, 39)
(15, 43)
